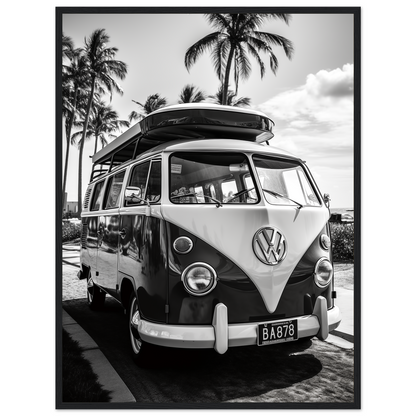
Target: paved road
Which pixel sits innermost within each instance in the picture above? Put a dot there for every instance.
(203, 376)
(293, 372)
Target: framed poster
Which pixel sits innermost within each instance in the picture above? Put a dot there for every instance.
(217, 292)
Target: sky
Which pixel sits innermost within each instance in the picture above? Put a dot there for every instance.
(310, 99)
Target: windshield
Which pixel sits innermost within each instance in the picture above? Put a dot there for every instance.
(284, 182)
(211, 178)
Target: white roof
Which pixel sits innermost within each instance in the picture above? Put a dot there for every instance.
(218, 145)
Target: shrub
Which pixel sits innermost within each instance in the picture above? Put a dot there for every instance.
(70, 231)
(342, 241)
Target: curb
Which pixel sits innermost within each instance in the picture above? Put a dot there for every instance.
(343, 335)
(105, 372)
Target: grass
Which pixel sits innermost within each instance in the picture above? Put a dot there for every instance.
(79, 383)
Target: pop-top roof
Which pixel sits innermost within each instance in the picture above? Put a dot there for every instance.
(184, 121)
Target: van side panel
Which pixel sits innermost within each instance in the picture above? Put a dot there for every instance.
(107, 251)
(142, 256)
(89, 243)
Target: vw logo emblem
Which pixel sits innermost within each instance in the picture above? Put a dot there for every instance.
(269, 245)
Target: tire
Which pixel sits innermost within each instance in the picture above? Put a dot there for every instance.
(95, 296)
(139, 348)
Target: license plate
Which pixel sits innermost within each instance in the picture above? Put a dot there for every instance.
(275, 332)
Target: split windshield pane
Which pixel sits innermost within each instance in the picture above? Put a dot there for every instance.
(209, 178)
(284, 182)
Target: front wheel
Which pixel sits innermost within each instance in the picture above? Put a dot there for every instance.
(95, 296)
(138, 347)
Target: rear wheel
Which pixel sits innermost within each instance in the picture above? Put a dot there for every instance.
(95, 296)
(138, 347)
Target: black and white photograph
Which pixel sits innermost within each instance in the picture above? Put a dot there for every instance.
(170, 245)
(208, 250)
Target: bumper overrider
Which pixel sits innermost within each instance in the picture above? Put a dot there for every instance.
(221, 335)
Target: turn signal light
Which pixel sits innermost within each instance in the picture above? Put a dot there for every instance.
(183, 245)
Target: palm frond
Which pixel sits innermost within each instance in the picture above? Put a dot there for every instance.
(191, 94)
(198, 48)
(133, 116)
(219, 55)
(271, 38)
(231, 98)
(220, 21)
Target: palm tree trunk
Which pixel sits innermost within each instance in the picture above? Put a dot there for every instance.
(95, 145)
(68, 139)
(81, 149)
(65, 172)
(227, 76)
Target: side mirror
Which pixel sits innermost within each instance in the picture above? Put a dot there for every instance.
(133, 195)
(327, 200)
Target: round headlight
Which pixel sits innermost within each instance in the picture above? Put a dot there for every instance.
(199, 279)
(325, 242)
(183, 245)
(323, 272)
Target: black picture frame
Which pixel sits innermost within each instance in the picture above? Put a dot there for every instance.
(356, 12)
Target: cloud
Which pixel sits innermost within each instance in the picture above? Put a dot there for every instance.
(336, 83)
(315, 122)
(323, 103)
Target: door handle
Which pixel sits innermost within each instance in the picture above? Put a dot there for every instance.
(122, 233)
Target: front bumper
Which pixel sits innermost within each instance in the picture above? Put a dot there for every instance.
(221, 335)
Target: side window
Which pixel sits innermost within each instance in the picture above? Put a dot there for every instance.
(114, 186)
(154, 186)
(97, 196)
(138, 179)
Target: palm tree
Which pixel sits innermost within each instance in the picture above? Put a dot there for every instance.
(191, 94)
(102, 124)
(236, 36)
(67, 46)
(230, 98)
(103, 69)
(74, 81)
(153, 102)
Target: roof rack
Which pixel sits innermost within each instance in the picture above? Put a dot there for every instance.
(184, 121)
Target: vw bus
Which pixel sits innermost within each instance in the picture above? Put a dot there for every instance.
(206, 235)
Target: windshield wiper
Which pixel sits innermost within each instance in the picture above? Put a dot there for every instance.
(218, 203)
(282, 196)
(244, 191)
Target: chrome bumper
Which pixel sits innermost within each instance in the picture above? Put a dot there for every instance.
(221, 335)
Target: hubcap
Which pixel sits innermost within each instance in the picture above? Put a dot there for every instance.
(90, 289)
(134, 320)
